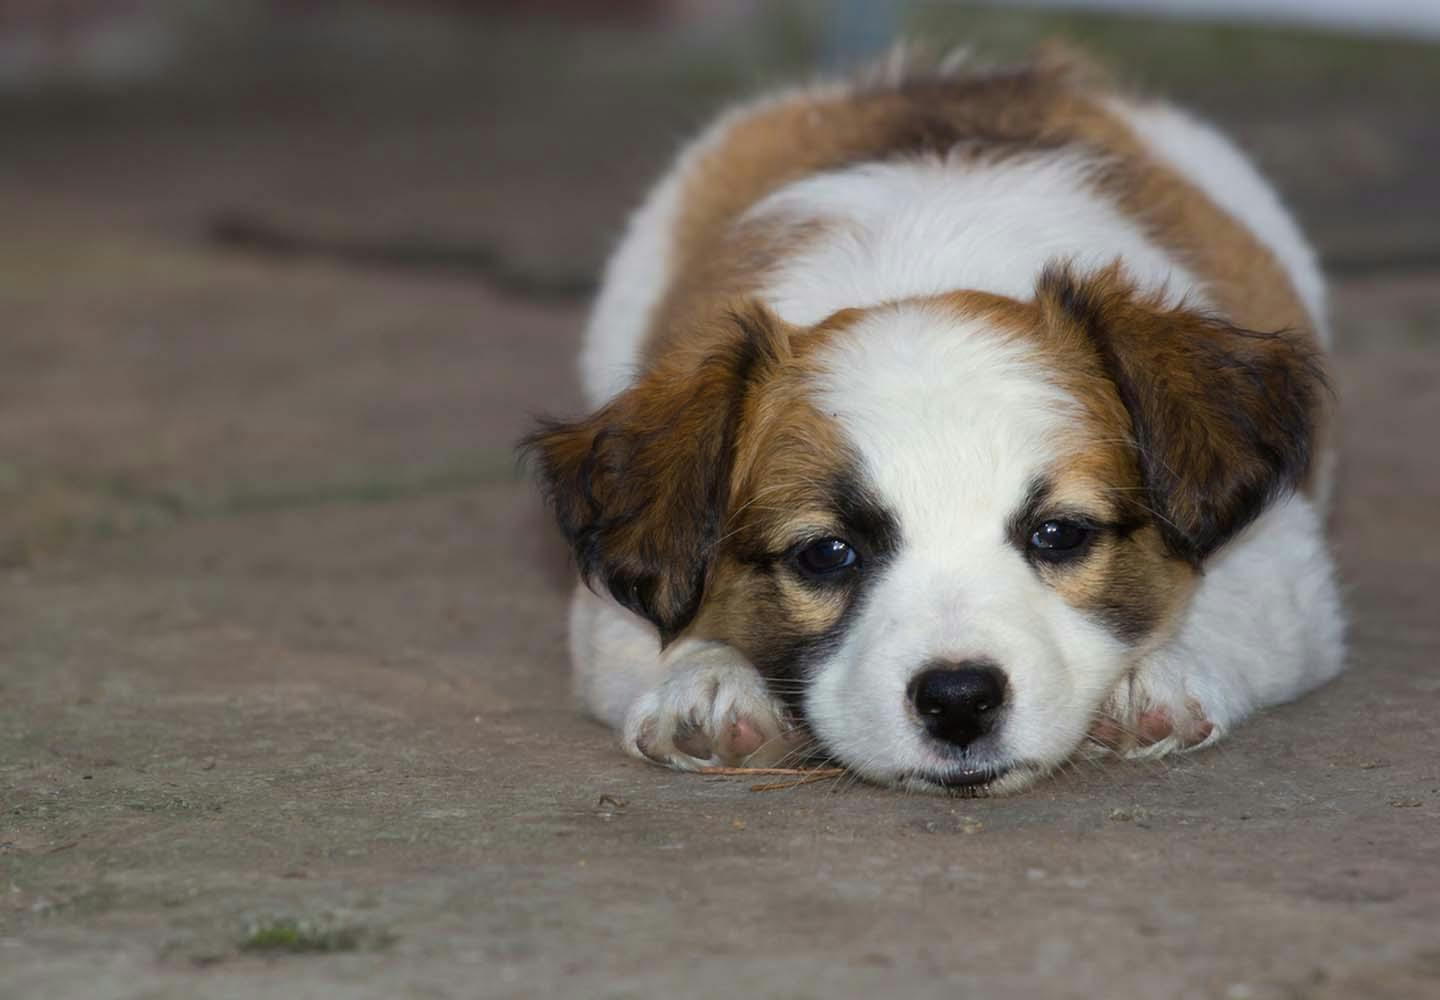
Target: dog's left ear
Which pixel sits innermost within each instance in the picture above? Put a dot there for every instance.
(1223, 419)
(640, 487)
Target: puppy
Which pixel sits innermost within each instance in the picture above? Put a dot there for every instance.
(949, 423)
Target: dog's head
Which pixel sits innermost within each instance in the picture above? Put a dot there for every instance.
(943, 529)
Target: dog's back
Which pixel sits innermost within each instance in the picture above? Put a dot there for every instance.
(959, 162)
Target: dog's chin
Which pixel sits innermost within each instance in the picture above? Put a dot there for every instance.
(961, 776)
(971, 782)
(958, 778)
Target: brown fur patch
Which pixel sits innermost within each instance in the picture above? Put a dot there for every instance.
(1056, 103)
(640, 486)
(1222, 419)
(1191, 427)
(692, 482)
(1049, 105)
(790, 469)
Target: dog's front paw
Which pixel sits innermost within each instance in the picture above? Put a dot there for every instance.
(1137, 722)
(713, 709)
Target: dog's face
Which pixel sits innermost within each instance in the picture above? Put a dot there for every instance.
(944, 529)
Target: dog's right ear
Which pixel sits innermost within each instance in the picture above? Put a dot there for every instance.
(640, 487)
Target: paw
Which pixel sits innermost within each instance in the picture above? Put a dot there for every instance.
(712, 710)
(1137, 722)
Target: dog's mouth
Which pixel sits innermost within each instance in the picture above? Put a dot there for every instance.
(966, 782)
(974, 781)
(961, 778)
(967, 778)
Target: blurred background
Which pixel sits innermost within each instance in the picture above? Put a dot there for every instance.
(263, 253)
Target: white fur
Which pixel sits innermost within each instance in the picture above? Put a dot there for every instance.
(990, 227)
(615, 656)
(624, 680)
(953, 424)
(1213, 164)
(634, 280)
(1265, 625)
(708, 687)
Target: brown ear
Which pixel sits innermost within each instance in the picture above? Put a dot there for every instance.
(640, 487)
(1223, 418)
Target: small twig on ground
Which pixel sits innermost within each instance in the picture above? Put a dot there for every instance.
(826, 775)
(802, 775)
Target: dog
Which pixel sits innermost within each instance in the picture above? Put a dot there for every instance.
(950, 423)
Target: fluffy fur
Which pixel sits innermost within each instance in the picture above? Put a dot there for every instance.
(930, 314)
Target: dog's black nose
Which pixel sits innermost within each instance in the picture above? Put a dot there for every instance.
(958, 702)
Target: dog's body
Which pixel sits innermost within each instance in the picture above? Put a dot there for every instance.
(934, 436)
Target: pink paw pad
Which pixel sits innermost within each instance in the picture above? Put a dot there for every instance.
(741, 738)
(1155, 725)
(1190, 729)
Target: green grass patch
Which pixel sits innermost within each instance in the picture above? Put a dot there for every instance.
(301, 936)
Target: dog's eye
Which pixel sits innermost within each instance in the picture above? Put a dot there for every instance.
(1056, 541)
(826, 558)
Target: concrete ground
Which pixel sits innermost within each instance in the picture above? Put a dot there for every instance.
(283, 699)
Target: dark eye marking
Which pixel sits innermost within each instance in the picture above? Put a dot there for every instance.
(846, 516)
(826, 560)
(1047, 532)
(800, 628)
(1060, 540)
